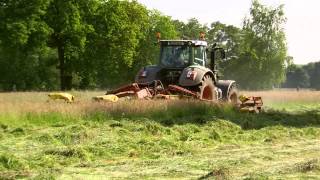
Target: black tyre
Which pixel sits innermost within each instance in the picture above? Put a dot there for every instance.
(233, 95)
(207, 89)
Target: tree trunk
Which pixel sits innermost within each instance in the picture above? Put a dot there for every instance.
(62, 68)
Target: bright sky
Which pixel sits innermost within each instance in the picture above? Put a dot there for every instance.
(302, 27)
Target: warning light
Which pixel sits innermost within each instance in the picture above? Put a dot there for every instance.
(202, 35)
(158, 35)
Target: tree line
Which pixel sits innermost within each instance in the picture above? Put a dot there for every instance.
(88, 44)
(303, 76)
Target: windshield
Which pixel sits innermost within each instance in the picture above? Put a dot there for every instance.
(175, 56)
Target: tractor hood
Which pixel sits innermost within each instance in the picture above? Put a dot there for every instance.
(183, 42)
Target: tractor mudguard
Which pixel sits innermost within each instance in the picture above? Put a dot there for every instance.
(225, 86)
(151, 74)
(199, 71)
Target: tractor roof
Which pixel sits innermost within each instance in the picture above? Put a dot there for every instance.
(184, 42)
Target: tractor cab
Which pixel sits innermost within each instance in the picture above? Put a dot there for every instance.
(182, 62)
(178, 55)
(182, 53)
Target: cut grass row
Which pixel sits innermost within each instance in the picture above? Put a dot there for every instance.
(181, 140)
(148, 139)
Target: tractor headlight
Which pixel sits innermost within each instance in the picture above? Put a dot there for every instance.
(191, 75)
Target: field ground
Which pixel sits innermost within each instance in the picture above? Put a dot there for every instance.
(159, 139)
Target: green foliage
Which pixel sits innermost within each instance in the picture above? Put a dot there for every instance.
(257, 53)
(190, 30)
(119, 25)
(93, 41)
(148, 51)
(305, 76)
(85, 44)
(68, 21)
(263, 51)
(314, 74)
(296, 77)
(229, 38)
(22, 40)
(21, 23)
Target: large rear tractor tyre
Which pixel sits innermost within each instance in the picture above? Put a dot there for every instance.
(233, 95)
(207, 89)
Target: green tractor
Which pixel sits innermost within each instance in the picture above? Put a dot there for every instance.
(185, 63)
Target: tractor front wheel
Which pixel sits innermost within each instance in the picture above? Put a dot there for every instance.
(207, 89)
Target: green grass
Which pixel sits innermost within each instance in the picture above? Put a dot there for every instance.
(178, 140)
(294, 106)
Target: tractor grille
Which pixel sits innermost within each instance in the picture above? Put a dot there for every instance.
(169, 76)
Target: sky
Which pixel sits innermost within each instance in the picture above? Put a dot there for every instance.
(302, 27)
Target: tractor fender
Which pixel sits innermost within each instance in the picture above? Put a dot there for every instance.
(151, 74)
(200, 73)
(225, 86)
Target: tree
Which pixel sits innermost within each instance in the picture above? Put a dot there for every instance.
(179, 28)
(119, 26)
(22, 41)
(29, 27)
(190, 30)
(229, 38)
(149, 49)
(98, 43)
(69, 31)
(296, 77)
(314, 73)
(261, 63)
(93, 43)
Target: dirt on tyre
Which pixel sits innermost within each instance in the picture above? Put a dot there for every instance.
(207, 89)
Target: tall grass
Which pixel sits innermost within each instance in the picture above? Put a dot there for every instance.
(38, 102)
(290, 100)
(287, 96)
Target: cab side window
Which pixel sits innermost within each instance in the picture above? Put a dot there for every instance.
(199, 54)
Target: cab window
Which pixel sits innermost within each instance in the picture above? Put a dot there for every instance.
(199, 53)
(175, 56)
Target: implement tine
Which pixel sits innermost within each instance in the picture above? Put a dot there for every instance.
(182, 90)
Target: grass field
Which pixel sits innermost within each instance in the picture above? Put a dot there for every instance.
(159, 139)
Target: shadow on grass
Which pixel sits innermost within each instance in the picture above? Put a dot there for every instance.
(201, 113)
